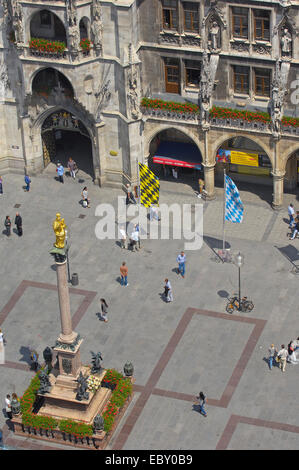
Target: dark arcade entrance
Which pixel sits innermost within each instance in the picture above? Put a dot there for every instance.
(173, 150)
(64, 136)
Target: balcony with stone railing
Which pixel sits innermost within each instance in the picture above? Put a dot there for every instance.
(218, 116)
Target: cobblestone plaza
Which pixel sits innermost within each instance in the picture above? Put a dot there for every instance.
(177, 349)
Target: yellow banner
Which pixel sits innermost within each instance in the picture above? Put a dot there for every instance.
(244, 158)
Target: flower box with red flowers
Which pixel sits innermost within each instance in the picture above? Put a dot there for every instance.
(171, 106)
(46, 45)
(85, 44)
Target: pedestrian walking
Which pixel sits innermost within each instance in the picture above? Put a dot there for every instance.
(8, 406)
(168, 291)
(60, 172)
(295, 228)
(124, 274)
(272, 353)
(71, 164)
(202, 400)
(134, 239)
(85, 198)
(104, 310)
(130, 196)
(1, 185)
(181, 260)
(291, 213)
(27, 182)
(7, 224)
(282, 356)
(18, 223)
(123, 238)
(292, 358)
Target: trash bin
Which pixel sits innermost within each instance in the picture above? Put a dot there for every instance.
(75, 279)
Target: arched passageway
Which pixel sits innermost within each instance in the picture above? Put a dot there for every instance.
(247, 163)
(291, 180)
(48, 80)
(174, 155)
(65, 136)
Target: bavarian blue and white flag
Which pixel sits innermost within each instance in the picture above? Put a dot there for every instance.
(233, 205)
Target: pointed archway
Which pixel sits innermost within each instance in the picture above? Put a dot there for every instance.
(63, 136)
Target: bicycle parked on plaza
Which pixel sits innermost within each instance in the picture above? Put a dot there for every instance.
(243, 306)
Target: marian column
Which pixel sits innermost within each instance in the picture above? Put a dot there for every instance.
(69, 342)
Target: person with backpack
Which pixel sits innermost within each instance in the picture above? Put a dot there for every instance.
(201, 404)
(27, 182)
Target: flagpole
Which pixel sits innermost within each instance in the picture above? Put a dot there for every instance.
(224, 203)
(139, 199)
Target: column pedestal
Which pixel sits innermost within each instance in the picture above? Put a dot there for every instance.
(209, 175)
(69, 342)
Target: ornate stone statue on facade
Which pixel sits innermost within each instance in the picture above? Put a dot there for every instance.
(278, 92)
(18, 21)
(74, 38)
(215, 36)
(97, 31)
(286, 43)
(4, 80)
(133, 84)
(96, 362)
(102, 98)
(71, 12)
(82, 393)
(45, 385)
(133, 97)
(205, 89)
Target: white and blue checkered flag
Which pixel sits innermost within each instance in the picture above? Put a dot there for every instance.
(233, 205)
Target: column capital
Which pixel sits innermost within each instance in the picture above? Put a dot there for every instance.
(278, 174)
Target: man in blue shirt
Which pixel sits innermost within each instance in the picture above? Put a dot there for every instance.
(60, 171)
(181, 259)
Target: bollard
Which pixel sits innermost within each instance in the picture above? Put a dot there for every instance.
(75, 279)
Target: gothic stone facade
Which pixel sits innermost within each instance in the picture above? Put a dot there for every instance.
(170, 49)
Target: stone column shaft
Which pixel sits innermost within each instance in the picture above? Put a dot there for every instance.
(209, 174)
(277, 191)
(67, 335)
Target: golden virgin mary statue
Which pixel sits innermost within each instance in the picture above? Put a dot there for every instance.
(59, 230)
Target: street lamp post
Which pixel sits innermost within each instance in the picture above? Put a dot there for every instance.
(239, 261)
